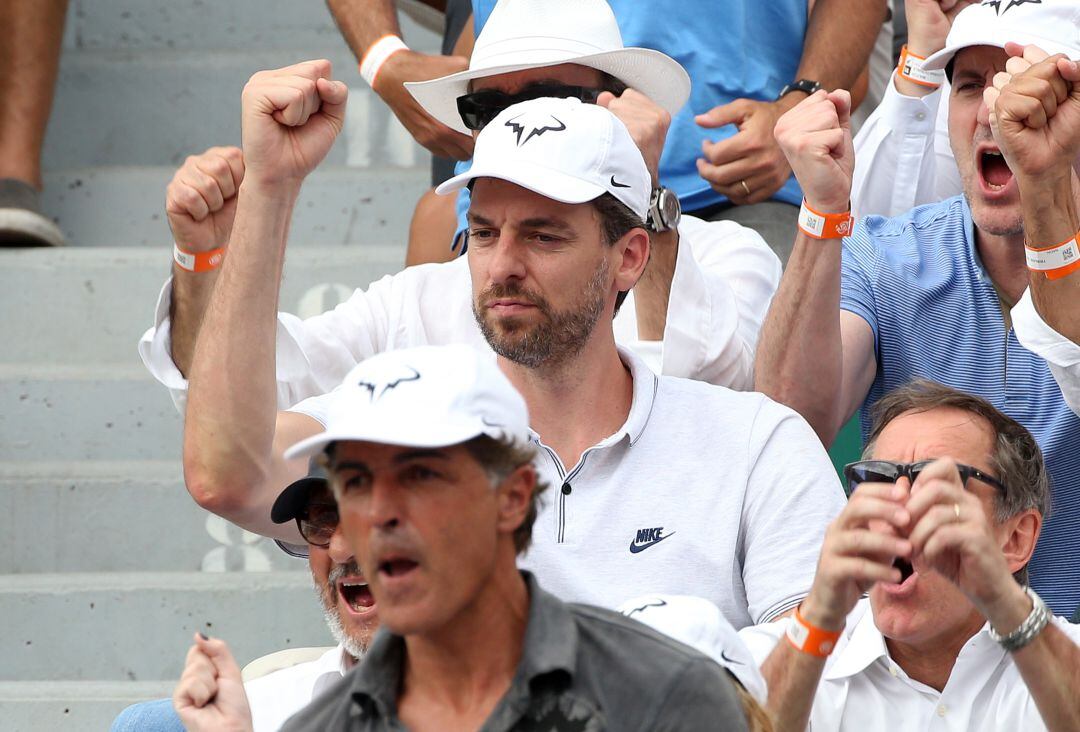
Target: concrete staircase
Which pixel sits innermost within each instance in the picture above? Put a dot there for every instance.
(107, 567)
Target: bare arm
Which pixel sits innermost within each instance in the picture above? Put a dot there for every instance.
(812, 357)
(290, 119)
(362, 23)
(838, 41)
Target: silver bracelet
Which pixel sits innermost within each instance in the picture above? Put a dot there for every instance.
(1031, 627)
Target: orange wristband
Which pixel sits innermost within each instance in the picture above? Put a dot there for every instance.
(1057, 261)
(911, 68)
(198, 261)
(809, 638)
(824, 226)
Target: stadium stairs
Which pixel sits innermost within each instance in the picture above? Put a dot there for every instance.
(107, 567)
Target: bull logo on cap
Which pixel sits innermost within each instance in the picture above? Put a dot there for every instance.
(536, 124)
(378, 384)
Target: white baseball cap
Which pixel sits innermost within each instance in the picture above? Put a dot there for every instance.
(699, 624)
(562, 149)
(1052, 25)
(430, 396)
(526, 34)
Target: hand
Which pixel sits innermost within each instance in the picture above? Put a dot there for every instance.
(406, 65)
(855, 556)
(952, 536)
(200, 201)
(750, 156)
(1035, 113)
(816, 138)
(210, 695)
(290, 119)
(928, 23)
(647, 122)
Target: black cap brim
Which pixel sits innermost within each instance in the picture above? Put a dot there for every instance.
(294, 500)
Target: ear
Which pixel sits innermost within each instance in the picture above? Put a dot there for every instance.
(1020, 534)
(632, 254)
(514, 498)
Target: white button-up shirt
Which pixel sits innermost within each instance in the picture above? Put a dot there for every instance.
(1060, 354)
(862, 689)
(279, 695)
(725, 277)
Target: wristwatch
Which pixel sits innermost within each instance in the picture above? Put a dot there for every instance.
(664, 210)
(807, 86)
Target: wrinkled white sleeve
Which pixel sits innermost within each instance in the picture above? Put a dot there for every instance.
(725, 277)
(792, 495)
(902, 155)
(313, 355)
(1061, 354)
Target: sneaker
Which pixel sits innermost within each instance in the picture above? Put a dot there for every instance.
(21, 222)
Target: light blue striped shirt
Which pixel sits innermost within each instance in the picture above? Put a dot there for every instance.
(918, 281)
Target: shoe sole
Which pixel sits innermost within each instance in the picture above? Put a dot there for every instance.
(20, 227)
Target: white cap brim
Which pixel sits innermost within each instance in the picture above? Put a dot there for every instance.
(997, 39)
(406, 434)
(553, 184)
(654, 74)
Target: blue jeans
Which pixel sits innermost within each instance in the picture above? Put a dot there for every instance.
(151, 716)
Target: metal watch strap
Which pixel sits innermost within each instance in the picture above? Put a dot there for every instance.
(1031, 627)
(657, 219)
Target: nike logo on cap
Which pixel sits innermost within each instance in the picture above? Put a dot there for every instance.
(617, 184)
(648, 537)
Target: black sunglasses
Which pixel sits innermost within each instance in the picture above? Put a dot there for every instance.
(479, 108)
(318, 522)
(885, 471)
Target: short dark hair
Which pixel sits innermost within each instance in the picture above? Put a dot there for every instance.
(616, 220)
(499, 459)
(1016, 457)
(609, 83)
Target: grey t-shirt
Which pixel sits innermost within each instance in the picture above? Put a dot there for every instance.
(582, 669)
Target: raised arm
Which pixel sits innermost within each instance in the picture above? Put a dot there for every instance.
(363, 23)
(812, 357)
(290, 119)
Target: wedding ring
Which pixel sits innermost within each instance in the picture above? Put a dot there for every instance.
(745, 187)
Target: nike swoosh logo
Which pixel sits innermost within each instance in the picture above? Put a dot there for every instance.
(617, 184)
(729, 659)
(635, 547)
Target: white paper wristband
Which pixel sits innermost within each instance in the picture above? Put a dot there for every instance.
(1063, 255)
(377, 54)
(911, 68)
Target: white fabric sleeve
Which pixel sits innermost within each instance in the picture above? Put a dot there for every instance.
(761, 640)
(902, 155)
(313, 355)
(725, 278)
(792, 494)
(1060, 354)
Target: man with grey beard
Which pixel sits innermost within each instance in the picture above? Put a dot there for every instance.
(347, 605)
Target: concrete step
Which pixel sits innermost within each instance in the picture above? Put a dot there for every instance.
(87, 517)
(83, 305)
(31, 706)
(154, 107)
(137, 626)
(338, 206)
(203, 24)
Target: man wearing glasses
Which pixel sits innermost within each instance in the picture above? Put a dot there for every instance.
(941, 523)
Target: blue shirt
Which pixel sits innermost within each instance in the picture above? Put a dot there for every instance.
(918, 281)
(731, 48)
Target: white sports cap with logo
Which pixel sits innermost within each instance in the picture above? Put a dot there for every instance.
(699, 624)
(429, 396)
(527, 34)
(1052, 25)
(562, 149)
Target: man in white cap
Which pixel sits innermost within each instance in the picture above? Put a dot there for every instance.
(959, 291)
(430, 456)
(662, 483)
(695, 312)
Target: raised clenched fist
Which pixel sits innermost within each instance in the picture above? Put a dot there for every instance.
(290, 119)
(200, 201)
(928, 23)
(815, 136)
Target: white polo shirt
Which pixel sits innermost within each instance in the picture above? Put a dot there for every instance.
(703, 491)
(279, 695)
(725, 277)
(863, 689)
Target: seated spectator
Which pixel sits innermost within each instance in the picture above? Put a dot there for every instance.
(943, 519)
(347, 604)
(696, 311)
(467, 640)
(559, 194)
(932, 293)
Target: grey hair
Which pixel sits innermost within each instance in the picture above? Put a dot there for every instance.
(499, 460)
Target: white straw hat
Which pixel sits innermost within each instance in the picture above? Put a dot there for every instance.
(526, 34)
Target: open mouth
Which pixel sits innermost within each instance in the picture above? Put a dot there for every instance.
(396, 568)
(906, 570)
(993, 170)
(357, 596)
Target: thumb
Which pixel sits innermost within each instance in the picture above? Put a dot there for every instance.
(219, 654)
(841, 99)
(333, 95)
(727, 114)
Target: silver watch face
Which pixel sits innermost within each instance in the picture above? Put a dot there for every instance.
(670, 208)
